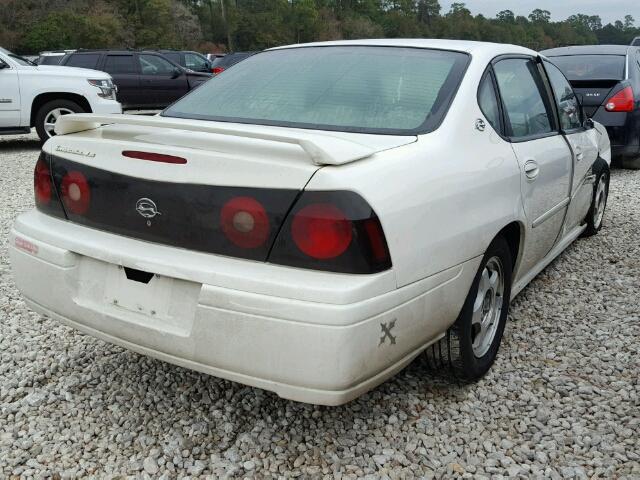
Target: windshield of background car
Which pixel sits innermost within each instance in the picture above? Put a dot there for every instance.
(344, 88)
(591, 67)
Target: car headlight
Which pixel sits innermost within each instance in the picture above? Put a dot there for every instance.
(106, 86)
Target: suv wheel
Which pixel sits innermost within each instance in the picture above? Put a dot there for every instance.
(49, 114)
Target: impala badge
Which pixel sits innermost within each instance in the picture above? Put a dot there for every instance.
(147, 208)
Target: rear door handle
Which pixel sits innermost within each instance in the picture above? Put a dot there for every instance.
(531, 170)
(579, 154)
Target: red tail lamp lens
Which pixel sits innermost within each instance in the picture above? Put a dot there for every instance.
(42, 183)
(154, 157)
(623, 101)
(244, 222)
(322, 231)
(217, 70)
(76, 194)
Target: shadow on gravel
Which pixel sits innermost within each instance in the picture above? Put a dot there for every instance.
(19, 144)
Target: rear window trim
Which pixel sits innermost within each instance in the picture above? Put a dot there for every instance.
(449, 88)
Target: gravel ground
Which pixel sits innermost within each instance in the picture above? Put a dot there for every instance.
(562, 401)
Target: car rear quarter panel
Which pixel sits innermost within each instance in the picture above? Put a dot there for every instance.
(440, 200)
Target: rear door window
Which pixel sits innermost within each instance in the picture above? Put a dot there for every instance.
(120, 64)
(527, 110)
(591, 67)
(83, 60)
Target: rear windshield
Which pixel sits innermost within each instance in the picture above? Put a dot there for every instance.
(347, 88)
(591, 67)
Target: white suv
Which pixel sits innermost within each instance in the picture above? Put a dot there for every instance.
(36, 96)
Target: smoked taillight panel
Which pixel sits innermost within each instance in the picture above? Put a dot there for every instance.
(333, 231)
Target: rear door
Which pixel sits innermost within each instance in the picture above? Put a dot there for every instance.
(543, 154)
(9, 95)
(583, 143)
(161, 79)
(122, 67)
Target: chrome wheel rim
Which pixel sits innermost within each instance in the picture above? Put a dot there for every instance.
(52, 117)
(600, 202)
(487, 307)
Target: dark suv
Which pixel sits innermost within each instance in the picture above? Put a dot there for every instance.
(145, 80)
(607, 77)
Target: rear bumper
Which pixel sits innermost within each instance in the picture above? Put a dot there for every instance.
(318, 340)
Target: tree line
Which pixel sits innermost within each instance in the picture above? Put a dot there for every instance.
(31, 26)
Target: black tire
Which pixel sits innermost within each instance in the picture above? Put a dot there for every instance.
(454, 353)
(49, 107)
(593, 220)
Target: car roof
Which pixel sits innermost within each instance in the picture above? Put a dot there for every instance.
(465, 46)
(587, 50)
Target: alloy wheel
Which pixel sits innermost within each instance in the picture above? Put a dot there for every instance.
(600, 202)
(52, 117)
(487, 307)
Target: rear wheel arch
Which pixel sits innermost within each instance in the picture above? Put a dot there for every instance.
(44, 98)
(513, 233)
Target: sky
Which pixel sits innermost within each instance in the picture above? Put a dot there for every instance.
(609, 10)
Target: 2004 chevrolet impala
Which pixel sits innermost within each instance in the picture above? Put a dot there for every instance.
(318, 216)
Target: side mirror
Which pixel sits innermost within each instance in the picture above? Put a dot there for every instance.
(3, 65)
(176, 72)
(588, 123)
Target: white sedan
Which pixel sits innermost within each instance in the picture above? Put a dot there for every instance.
(315, 218)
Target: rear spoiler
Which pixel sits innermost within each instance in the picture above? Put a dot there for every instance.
(323, 149)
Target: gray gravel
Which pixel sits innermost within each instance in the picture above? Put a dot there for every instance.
(562, 400)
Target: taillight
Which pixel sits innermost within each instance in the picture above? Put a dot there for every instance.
(321, 230)
(623, 101)
(42, 182)
(75, 192)
(244, 221)
(335, 231)
(217, 70)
